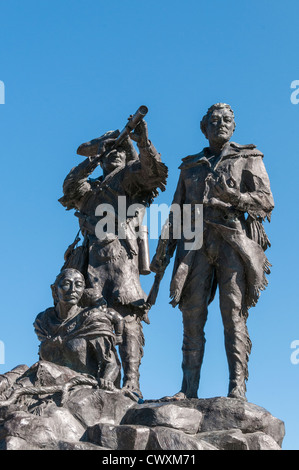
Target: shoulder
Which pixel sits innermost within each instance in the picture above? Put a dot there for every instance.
(247, 150)
(44, 320)
(46, 314)
(191, 160)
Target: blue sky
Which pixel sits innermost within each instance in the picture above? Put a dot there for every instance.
(73, 70)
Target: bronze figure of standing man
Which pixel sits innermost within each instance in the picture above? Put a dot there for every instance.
(231, 183)
(110, 260)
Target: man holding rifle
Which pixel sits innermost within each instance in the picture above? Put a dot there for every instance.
(110, 260)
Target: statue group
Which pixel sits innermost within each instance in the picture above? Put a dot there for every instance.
(95, 324)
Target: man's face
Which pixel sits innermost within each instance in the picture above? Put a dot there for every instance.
(220, 126)
(70, 288)
(113, 160)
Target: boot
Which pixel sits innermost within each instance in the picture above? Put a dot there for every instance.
(238, 348)
(237, 390)
(192, 361)
(131, 377)
(131, 352)
(238, 375)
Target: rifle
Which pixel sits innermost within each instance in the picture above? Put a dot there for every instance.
(159, 264)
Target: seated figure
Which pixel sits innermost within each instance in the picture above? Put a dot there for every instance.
(77, 336)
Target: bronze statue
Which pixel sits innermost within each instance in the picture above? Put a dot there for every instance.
(79, 337)
(231, 183)
(70, 399)
(111, 259)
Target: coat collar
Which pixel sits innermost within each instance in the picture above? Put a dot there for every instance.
(230, 150)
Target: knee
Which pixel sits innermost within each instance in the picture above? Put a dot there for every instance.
(193, 301)
(194, 322)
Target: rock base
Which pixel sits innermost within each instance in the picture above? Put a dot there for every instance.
(94, 419)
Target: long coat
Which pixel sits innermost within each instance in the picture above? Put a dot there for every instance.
(239, 224)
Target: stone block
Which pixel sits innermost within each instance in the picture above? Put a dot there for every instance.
(165, 414)
(232, 439)
(162, 438)
(123, 437)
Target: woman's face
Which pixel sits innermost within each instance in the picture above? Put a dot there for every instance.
(70, 288)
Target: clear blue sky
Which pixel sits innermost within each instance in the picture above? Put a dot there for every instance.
(74, 69)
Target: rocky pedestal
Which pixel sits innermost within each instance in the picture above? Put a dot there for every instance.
(88, 418)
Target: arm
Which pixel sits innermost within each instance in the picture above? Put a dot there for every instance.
(40, 327)
(256, 196)
(149, 173)
(168, 239)
(76, 184)
(118, 322)
(253, 195)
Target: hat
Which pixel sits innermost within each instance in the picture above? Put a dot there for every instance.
(91, 148)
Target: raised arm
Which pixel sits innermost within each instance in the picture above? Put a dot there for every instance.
(76, 184)
(147, 174)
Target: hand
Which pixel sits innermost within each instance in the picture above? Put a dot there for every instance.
(226, 193)
(106, 146)
(158, 264)
(165, 261)
(140, 134)
(118, 339)
(214, 202)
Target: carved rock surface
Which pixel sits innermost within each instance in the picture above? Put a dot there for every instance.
(261, 441)
(17, 443)
(45, 374)
(165, 414)
(55, 424)
(162, 438)
(233, 439)
(10, 377)
(124, 437)
(226, 413)
(93, 419)
(98, 406)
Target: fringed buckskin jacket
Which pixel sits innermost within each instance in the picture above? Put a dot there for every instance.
(113, 261)
(240, 223)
